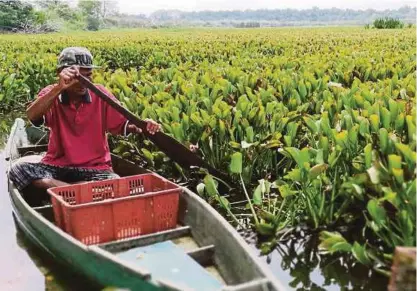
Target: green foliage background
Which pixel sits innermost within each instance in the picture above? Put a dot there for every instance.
(324, 119)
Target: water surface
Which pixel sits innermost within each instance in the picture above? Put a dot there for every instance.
(23, 266)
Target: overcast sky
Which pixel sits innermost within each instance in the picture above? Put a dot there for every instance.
(149, 6)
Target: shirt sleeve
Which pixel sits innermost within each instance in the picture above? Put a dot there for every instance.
(116, 123)
(47, 116)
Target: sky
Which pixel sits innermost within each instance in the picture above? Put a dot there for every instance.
(149, 6)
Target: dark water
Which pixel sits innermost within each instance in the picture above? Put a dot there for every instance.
(298, 265)
(19, 271)
(23, 266)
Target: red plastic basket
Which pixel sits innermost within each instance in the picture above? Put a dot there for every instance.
(103, 211)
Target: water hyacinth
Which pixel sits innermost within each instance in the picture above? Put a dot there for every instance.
(311, 132)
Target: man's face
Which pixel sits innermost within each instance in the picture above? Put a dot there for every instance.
(77, 88)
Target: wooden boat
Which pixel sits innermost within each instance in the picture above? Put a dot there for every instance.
(209, 253)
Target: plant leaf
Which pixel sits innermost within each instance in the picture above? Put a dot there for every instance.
(294, 175)
(266, 229)
(225, 202)
(200, 189)
(359, 252)
(341, 247)
(374, 122)
(374, 175)
(377, 212)
(286, 191)
(317, 170)
(246, 145)
(399, 122)
(210, 185)
(364, 127)
(236, 163)
(383, 139)
(257, 195)
(408, 154)
(333, 242)
(399, 175)
(311, 124)
(368, 156)
(386, 118)
(394, 162)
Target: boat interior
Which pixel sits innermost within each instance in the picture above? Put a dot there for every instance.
(201, 253)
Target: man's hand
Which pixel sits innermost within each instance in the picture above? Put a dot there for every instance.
(193, 148)
(68, 77)
(151, 126)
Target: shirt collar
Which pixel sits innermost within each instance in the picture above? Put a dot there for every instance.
(64, 98)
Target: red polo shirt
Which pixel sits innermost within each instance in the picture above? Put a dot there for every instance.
(78, 135)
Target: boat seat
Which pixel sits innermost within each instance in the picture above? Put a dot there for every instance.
(168, 262)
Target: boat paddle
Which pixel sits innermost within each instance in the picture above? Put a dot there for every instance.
(167, 144)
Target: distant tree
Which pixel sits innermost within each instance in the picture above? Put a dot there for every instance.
(92, 12)
(388, 23)
(97, 14)
(109, 8)
(19, 16)
(46, 4)
(13, 13)
(92, 8)
(59, 7)
(286, 16)
(93, 23)
(97, 11)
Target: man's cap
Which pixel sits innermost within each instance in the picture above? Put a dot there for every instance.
(79, 56)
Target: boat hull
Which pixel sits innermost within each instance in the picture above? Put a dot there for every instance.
(231, 256)
(69, 252)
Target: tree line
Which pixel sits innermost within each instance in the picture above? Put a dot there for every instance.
(59, 15)
(54, 15)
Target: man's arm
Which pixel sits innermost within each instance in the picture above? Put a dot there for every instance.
(151, 126)
(117, 124)
(40, 106)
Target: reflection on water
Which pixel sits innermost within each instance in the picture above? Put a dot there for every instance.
(56, 277)
(18, 271)
(22, 265)
(298, 265)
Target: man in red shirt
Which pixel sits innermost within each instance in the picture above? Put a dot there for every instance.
(78, 122)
